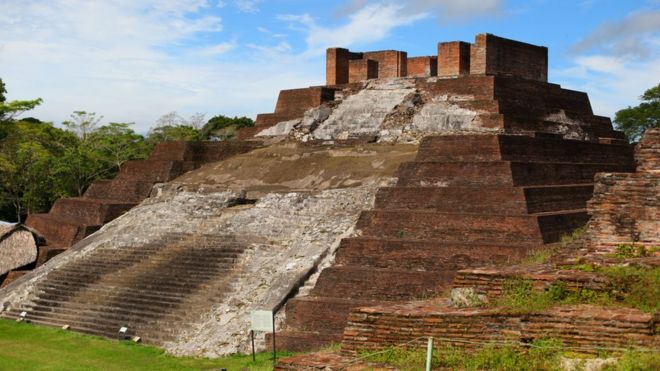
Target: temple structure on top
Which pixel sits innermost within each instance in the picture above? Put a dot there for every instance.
(488, 55)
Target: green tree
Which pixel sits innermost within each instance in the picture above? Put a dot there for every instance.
(117, 143)
(3, 91)
(98, 153)
(222, 127)
(82, 123)
(10, 110)
(27, 157)
(634, 121)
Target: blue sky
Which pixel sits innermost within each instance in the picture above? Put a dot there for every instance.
(136, 60)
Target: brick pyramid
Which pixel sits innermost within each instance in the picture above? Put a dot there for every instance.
(466, 200)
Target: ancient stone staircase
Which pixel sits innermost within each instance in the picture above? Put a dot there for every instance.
(466, 200)
(72, 219)
(154, 289)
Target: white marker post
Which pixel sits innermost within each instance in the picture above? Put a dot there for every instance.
(429, 354)
(263, 320)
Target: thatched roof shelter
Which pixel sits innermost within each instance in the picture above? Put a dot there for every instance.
(18, 246)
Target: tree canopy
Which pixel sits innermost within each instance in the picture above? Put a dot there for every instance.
(10, 110)
(634, 121)
(40, 162)
(222, 127)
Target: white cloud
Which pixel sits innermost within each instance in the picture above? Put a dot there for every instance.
(447, 10)
(371, 23)
(613, 82)
(629, 36)
(247, 6)
(616, 62)
(135, 60)
(218, 49)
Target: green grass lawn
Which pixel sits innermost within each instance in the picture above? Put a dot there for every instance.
(28, 347)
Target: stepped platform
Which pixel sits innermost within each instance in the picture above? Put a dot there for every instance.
(492, 281)
(586, 328)
(581, 328)
(147, 288)
(465, 201)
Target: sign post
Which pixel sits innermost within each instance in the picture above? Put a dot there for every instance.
(429, 354)
(263, 320)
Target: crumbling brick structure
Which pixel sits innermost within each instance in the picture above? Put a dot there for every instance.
(625, 208)
(489, 55)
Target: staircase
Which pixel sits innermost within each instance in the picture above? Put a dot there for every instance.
(143, 288)
(465, 201)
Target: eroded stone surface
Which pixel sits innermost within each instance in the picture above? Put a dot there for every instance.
(17, 248)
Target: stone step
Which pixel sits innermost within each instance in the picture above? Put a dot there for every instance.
(189, 260)
(324, 315)
(211, 266)
(542, 199)
(365, 283)
(113, 305)
(210, 151)
(174, 151)
(59, 232)
(597, 127)
(116, 316)
(89, 211)
(154, 171)
(493, 281)
(144, 281)
(497, 200)
(63, 291)
(425, 255)
(453, 199)
(159, 252)
(200, 152)
(449, 227)
(115, 309)
(520, 148)
(88, 327)
(110, 330)
(300, 341)
(120, 189)
(500, 173)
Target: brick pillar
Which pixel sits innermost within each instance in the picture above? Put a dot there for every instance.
(336, 66)
(453, 58)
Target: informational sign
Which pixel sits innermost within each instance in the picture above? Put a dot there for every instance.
(261, 320)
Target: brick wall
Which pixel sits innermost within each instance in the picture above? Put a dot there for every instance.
(493, 55)
(581, 326)
(391, 63)
(453, 58)
(422, 66)
(337, 65)
(625, 208)
(362, 69)
(295, 102)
